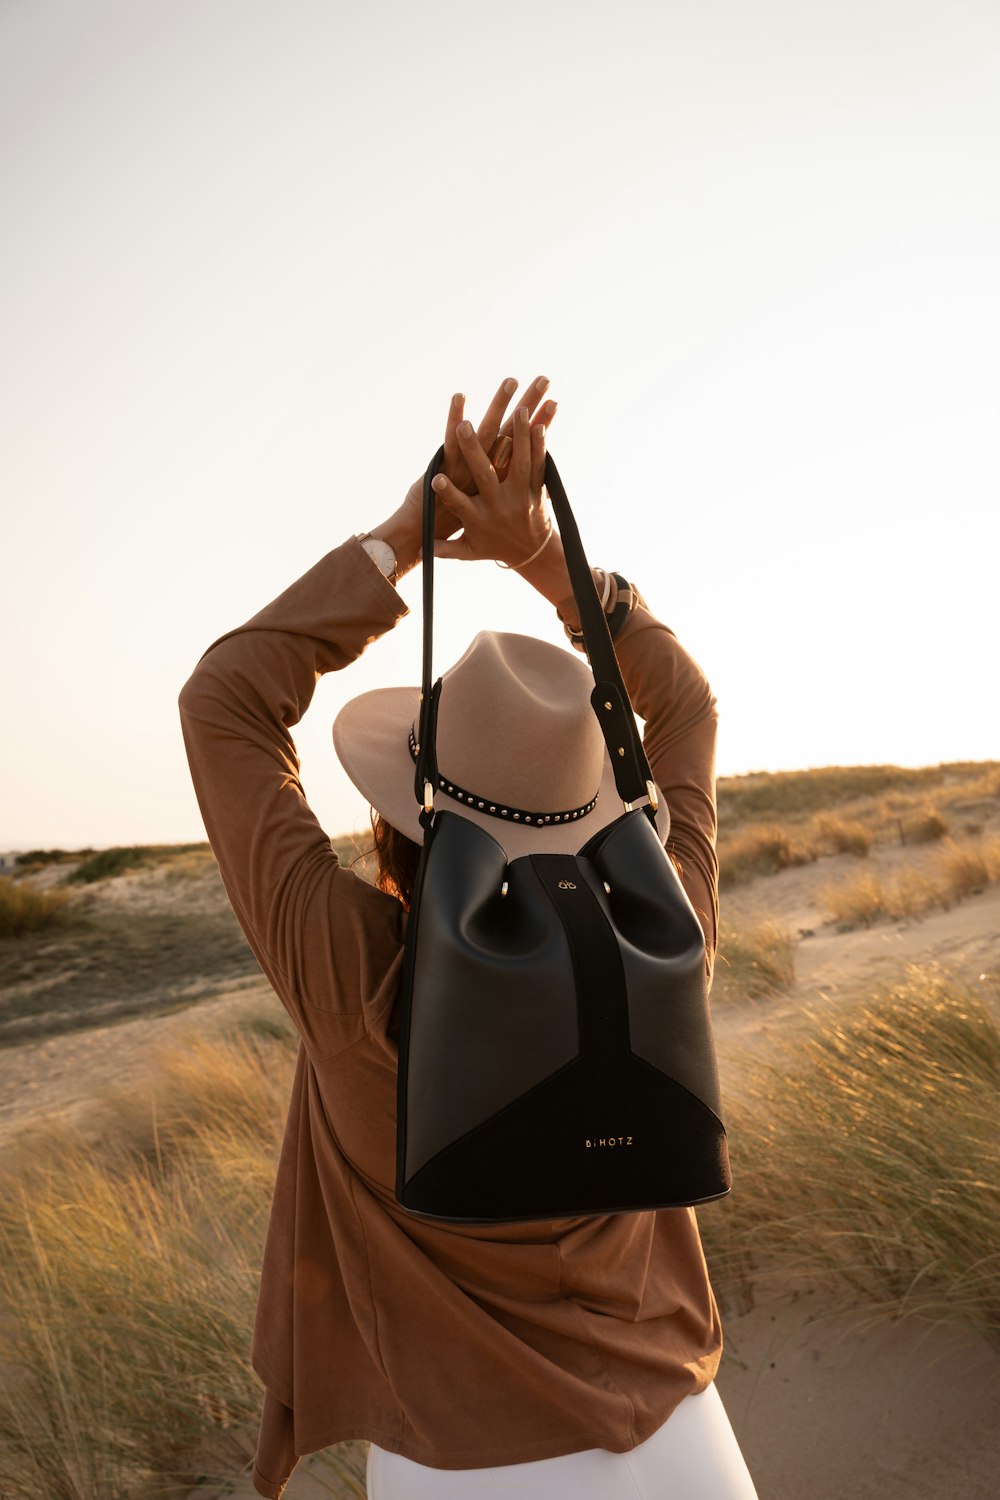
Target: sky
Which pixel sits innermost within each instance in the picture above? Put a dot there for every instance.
(250, 250)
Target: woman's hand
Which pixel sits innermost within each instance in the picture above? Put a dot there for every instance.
(504, 520)
(495, 438)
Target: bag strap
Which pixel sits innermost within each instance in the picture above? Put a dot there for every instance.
(609, 699)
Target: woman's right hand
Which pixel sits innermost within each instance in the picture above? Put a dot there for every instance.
(503, 520)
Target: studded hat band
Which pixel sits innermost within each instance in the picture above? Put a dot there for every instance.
(483, 804)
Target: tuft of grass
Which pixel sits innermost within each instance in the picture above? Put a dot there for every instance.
(857, 902)
(923, 826)
(967, 865)
(761, 849)
(25, 909)
(866, 1157)
(753, 960)
(844, 835)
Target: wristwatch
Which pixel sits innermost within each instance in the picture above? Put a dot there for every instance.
(381, 554)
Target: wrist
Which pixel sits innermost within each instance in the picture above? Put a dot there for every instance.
(399, 533)
(548, 572)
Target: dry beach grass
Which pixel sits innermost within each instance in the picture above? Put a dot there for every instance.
(143, 1104)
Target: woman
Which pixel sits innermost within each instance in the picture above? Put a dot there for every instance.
(573, 1356)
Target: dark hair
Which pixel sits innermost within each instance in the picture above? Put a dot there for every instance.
(397, 858)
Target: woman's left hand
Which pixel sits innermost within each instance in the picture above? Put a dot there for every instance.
(496, 439)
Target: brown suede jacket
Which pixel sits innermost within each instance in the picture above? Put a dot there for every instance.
(457, 1346)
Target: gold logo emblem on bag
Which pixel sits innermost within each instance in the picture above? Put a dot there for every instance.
(607, 1142)
(567, 885)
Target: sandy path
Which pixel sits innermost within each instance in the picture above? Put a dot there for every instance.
(825, 1407)
(59, 1078)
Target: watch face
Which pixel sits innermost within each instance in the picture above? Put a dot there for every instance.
(381, 553)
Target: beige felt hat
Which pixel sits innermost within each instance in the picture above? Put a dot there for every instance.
(519, 748)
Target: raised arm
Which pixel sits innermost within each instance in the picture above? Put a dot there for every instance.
(297, 906)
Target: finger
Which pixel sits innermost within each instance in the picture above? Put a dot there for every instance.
(452, 497)
(480, 467)
(500, 454)
(546, 414)
(520, 464)
(531, 398)
(493, 416)
(455, 547)
(537, 457)
(456, 411)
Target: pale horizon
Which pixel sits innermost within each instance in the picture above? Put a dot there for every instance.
(250, 252)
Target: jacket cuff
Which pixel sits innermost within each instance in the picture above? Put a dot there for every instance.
(273, 1489)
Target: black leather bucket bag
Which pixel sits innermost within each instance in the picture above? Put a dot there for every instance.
(556, 1056)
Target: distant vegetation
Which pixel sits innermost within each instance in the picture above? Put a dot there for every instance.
(98, 864)
(768, 821)
(771, 820)
(88, 865)
(795, 795)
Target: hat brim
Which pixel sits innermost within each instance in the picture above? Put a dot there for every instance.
(370, 737)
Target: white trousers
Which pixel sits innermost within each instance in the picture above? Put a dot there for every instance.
(693, 1456)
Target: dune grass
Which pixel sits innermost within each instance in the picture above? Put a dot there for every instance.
(23, 909)
(866, 1156)
(752, 960)
(128, 1267)
(961, 868)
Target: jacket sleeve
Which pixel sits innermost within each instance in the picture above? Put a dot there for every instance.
(326, 939)
(671, 693)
